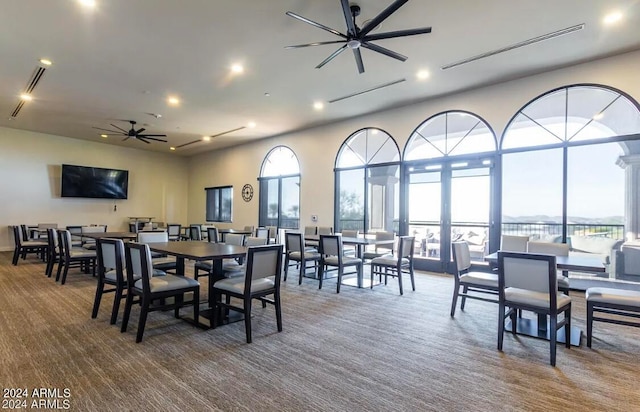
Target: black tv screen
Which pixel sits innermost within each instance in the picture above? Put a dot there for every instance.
(94, 182)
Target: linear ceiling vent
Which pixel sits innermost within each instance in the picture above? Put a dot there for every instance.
(373, 89)
(534, 40)
(212, 136)
(31, 85)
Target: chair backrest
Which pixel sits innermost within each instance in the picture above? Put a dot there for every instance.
(139, 263)
(461, 256)
(311, 230)
(93, 229)
(511, 243)
(195, 232)
(52, 240)
(385, 236)
(406, 247)
(24, 233)
(17, 235)
(64, 242)
(294, 242)
(263, 262)
(111, 257)
(255, 241)
(325, 230)
(153, 237)
(133, 227)
(262, 232)
(212, 234)
(47, 225)
(173, 229)
(234, 239)
(273, 233)
(548, 248)
(350, 233)
(249, 229)
(331, 245)
(529, 271)
(75, 231)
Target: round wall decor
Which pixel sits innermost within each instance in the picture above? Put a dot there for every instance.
(247, 192)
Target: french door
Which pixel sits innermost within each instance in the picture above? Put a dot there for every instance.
(449, 201)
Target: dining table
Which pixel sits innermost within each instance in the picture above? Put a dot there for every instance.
(199, 251)
(539, 327)
(111, 235)
(360, 243)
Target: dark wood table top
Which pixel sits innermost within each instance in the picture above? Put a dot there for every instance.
(198, 250)
(113, 235)
(238, 231)
(571, 262)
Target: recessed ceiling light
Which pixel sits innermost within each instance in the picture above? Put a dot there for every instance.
(267, 94)
(206, 138)
(422, 75)
(173, 101)
(251, 125)
(237, 68)
(26, 97)
(318, 105)
(612, 18)
(46, 62)
(172, 148)
(104, 135)
(88, 3)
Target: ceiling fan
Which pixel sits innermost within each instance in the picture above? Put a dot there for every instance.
(136, 134)
(357, 37)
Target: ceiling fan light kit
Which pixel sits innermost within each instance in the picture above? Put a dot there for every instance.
(356, 38)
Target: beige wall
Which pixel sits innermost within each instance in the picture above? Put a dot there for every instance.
(317, 148)
(30, 166)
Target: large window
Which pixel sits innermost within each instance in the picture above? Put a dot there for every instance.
(367, 182)
(219, 204)
(562, 179)
(280, 189)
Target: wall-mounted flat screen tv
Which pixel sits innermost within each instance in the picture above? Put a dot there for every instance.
(94, 182)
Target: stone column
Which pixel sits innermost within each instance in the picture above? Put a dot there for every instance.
(631, 166)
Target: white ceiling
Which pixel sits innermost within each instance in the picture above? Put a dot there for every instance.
(122, 59)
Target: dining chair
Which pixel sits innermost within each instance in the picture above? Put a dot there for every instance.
(73, 257)
(174, 230)
(212, 235)
(251, 229)
(350, 250)
(618, 302)
(76, 235)
(261, 279)
(262, 232)
(528, 281)
(380, 250)
(53, 251)
(555, 249)
(396, 265)
(512, 243)
(232, 267)
(295, 252)
(111, 276)
(195, 232)
(471, 282)
(89, 243)
(332, 255)
(160, 261)
(149, 288)
(23, 247)
(273, 234)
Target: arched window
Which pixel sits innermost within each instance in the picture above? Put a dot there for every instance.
(367, 182)
(451, 133)
(280, 189)
(563, 164)
(449, 175)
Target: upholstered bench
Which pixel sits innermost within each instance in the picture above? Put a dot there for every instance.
(612, 301)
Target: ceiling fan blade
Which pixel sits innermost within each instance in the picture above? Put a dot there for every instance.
(373, 23)
(346, 9)
(152, 138)
(143, 140)
(359, 62)
(320, 43)
(332, 56)
(126, 138)
(119, 128)
(107, 130)
(140, 130)
(384, 51)
(399, 33)
(313, 23)
(157, 135)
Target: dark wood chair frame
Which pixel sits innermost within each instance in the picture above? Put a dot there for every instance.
(248, 295)
(405, 250)
(66, 261)
(469, 287)
(302, 262)
(119, 286)
(145, 296)
(611, 309)
(53, 251)
(21, 249)
(552, 312)
(340, 266)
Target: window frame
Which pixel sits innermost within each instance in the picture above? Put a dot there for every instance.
(210, 210)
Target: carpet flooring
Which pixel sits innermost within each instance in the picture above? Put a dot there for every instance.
(360, 350)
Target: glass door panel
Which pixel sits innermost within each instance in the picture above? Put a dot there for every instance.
(425, 210)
